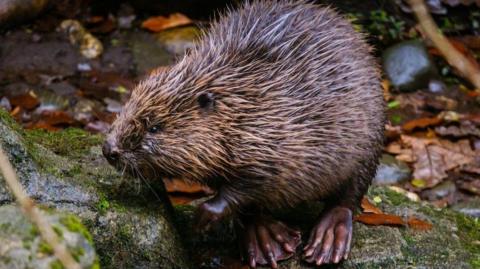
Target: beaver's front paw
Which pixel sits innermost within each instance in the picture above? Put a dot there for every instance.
(210, 212)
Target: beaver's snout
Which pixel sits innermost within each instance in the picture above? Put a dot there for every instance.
(111, 152)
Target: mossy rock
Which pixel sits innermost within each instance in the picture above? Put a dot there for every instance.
(23, 247)
(66, 171)
(453, 241)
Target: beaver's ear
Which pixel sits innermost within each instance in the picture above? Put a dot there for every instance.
(206, 101)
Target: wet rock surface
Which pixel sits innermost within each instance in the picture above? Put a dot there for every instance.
(22, 246)
(135, 230)
(66, 172)
(391, 171)
(408, 65)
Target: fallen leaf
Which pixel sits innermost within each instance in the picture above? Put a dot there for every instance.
(434, 157)
(181, 186)
(471, 186)
(380, 219)
(160, 23)
(57, 117)
(369, 207)
(421, 123)
(418, 224)
(410, 195)
(27, 101)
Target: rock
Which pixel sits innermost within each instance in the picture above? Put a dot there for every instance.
(391, 171)
(133, 228)
(21, 58)
(373, 246)
(148, 53)
(436, 86)
(5, 104)
(12, 11)
(179, 40)
(442, 190)
(470, 208)
(23, 247)
(408, 65)
(65, 171)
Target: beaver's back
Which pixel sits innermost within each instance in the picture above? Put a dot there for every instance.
(302, 93)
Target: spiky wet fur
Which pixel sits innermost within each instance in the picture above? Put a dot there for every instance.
(298, 109)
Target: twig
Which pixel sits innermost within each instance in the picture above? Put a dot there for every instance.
(35, 215)
(452, 55)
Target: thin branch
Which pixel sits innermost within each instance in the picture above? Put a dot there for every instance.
(34, 214)
(452, 55)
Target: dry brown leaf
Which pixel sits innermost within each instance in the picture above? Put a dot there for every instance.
(419, 224)
(466, 128)
(176, 185)
(27, 101)
(471, 186)
(401, 153)
(369, 207)
(160, 23)
(434, 157)
(421, 123)
(380, 219)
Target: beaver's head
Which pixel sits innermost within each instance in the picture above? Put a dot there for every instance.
(173, 126)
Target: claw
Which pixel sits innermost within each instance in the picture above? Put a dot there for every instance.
(271, 241)
(331, 238)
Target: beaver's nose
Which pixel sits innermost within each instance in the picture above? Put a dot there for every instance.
(110, 152)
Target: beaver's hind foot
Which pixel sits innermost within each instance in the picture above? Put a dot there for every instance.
(268, 241)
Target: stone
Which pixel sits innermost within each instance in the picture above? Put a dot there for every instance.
(65, 171)
(470, 208)
(23, 247)
(408, 65)
(391, 171)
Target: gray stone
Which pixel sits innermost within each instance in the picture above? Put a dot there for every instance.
(148, 53)
(470, 208)
(22, 246)
(408, 65)
(67, 172)
(391, 171)
(442, 190)
(134, 229)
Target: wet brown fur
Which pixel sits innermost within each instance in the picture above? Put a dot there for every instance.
(298, 111)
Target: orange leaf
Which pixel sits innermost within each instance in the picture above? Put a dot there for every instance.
(176, 185)
(27, 101)
(380, 219)
(421, 123)
(369, 207)
(419, 224)
(160, 23)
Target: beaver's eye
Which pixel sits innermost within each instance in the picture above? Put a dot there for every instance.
(155, 129)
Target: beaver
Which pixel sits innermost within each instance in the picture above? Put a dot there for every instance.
(278, 103)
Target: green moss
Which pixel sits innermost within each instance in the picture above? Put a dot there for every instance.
(57, 230)
(469, 232)
(388, 196)
(9, 121)
(70, 142)
(96, 264)
(103, 205)
(73, 224)
(77, 253)
(45, 248)
(56, 265)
